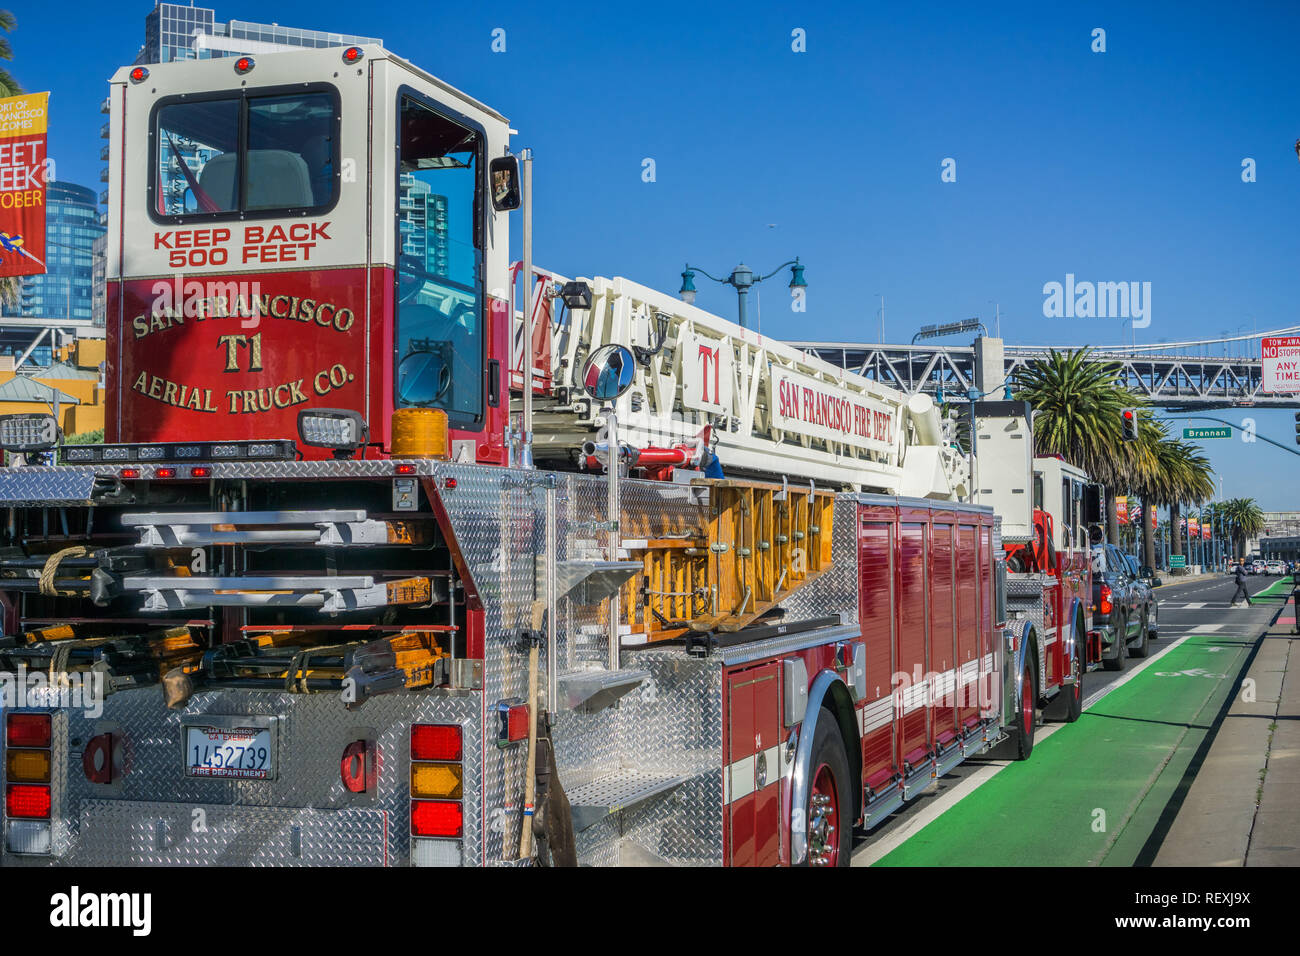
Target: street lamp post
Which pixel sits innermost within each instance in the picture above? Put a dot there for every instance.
(742, 279)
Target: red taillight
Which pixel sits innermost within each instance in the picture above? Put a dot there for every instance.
(31, 801)
(201, 471)
(165, 473)
(130, 472)
(436, 818)
(449, 483)
(404, 469)
(139, 75)
(27, 730)
(435, 742)
(352, 768)
(1105, 599)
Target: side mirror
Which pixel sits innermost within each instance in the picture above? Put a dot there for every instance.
(1147, 571)
(1094, 508)
(608, 372)
(504, 178)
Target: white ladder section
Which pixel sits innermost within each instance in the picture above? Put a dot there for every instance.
(194, 529)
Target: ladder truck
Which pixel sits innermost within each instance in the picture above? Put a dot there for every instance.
(322, 598)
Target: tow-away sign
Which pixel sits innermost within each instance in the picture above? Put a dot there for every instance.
(1281, 357)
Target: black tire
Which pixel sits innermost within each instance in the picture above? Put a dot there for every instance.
(828, 750)
(1153, 621)
(1116, 663)
(1144, 647)
(1027, 718)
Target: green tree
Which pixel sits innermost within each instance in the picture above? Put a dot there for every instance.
(1078, 404)
(9, 288)
(1245, 520)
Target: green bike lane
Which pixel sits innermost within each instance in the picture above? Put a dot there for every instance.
(1094, 791)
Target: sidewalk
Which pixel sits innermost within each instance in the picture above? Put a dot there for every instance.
(1243, 806)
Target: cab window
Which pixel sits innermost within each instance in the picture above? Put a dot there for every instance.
(218, 158)
(439, 348)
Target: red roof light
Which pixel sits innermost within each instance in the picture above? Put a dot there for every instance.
(139, 75)
(243, 64)
(352, 54)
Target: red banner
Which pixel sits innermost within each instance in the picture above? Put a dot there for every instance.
(1121, 508)
(22, 184)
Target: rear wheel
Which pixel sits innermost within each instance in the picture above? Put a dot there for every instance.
(830, 803)
(1027, 718)
(1116, 663)
(1143, 646)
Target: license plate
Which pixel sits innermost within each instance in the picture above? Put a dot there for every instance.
(238, 752)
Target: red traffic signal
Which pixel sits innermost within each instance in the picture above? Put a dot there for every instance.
(1129, 424)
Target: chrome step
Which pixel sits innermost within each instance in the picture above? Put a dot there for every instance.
(588, 581)
(617, 791)
(593, 690)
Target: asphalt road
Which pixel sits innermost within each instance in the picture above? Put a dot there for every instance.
(1194, 608)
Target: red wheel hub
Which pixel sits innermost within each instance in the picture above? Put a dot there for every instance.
(824, 819)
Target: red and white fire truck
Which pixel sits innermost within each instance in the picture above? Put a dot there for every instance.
(344, 585)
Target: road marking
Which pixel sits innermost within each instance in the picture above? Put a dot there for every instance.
(1131, 673)
(938, 806)
(1194, 606)
(1207, 627)
(878, 850)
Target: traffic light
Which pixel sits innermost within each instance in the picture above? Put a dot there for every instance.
(1129, 425)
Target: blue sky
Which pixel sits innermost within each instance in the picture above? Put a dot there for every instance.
(1115, 166)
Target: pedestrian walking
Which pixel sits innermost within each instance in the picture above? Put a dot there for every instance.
(1240, 577)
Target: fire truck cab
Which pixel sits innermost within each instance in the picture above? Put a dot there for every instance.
(286, 243)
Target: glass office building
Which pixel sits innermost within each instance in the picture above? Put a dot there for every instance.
(72, 226)
(174, 31)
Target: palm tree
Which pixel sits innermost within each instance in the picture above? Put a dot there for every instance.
(1151, 483)
(1188, 480)
(8, 85)
(1245, 519)
(1078, 403)
(9, 288)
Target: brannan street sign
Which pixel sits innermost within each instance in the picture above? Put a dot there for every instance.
(1218, 431)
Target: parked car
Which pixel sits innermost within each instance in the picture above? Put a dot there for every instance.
(1274, 568)
(1145, 583)
(1257, 567)
(1115, 609)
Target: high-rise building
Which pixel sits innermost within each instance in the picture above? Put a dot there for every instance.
(423, 224)
(72, 226)
(174, 31)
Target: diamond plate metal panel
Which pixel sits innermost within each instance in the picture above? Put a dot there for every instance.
(121, 833)
(313, 731)
(40, 485)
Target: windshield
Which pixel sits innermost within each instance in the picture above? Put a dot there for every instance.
(284, 159)
(439, 325)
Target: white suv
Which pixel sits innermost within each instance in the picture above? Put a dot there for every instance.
(1274, 568)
